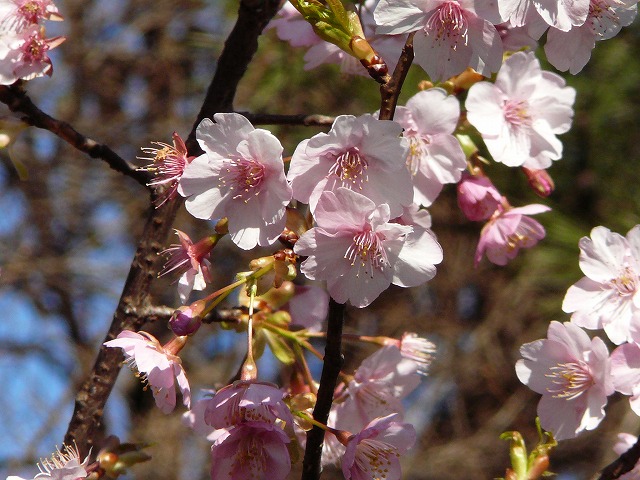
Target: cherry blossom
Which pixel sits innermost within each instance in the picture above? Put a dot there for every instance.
(157, 365)
(360, 153)
(308, 307)
(478, 198)
(607, 297)
(247, 401)
(520, 115)
(64, 464)
(451, 35)
(359, 253)
(377, 388)
(16, 15)
(560, 14)
(435, 156)
(417, 349)
(251, 450)
(191, 261)
(240, 176)
(625, 372)
(572, 373)
(509, 230)
(23, 55)
(374, 452)
(571, 49)
(167, 164)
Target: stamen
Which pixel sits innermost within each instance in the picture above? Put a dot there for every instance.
(351, 168)
(367, 249)
(449, 23)
(572, 379)
(244, 177)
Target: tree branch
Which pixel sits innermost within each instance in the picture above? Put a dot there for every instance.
(390, 91)
(304, 120)
(622, 465)
(238, 51)
(333, 360)
(19, 102)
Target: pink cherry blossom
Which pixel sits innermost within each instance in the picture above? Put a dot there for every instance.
(561, 14)
(435, 156)
(451, 35)
(293, 28)
(256, 450)
(625, 372)
(360, 153)
(240, 176)
(509, 230)
(360, 253)
(245, 401)
(417, 349)
(64, 464)
(157, 365)
(191, 261)
(374, 452)
(478, 198)
(167, 164)
(377, 388)
(23, 55)
(520, 115)
(16, 15)
(414, 216)
(607, 297)
(308, 307)
(517, 38)
(572, 373)
(624, 443)
(571, 49)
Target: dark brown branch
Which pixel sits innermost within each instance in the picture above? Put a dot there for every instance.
(622, 465)
(333, 361)
(390, 91)
(19, 102)
(238, 51)
(304, 120)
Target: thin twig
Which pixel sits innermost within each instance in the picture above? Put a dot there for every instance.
(622, 464)
(390, 91)
(314, 120)
(19, 102)
(333, 360)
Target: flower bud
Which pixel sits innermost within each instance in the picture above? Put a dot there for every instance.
(187, 319)
(540, 181)
(478, 198)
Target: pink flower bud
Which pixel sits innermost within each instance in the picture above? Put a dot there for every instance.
(186, 320)
(540, 181)
(478, 198)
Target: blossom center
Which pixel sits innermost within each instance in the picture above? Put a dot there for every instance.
(516, 113)
(34, 49)
(449, 23)
(601, 16)
(572, 378)
(368, 250)
(351, 168)
(417, 146)
(250, 457)
(243, 177)
(626, 283)
(32, 10)
(373, 457)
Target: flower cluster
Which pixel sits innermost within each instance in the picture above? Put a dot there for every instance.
(576, 374)
(23, 44)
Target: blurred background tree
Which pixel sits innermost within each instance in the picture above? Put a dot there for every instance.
(134, 71)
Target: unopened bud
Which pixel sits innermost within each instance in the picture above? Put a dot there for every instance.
(187, 319)
(465, 80)
(478, 198)
(540, 181)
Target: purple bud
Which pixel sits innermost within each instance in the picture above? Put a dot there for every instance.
(186, 320)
